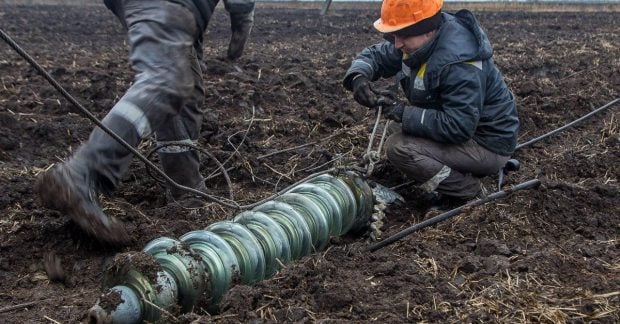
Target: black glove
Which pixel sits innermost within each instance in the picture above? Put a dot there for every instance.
(392, 109)
(241, 27)
(386, 94)
(362, 93)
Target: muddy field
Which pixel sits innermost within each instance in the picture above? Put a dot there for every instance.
(545, 255)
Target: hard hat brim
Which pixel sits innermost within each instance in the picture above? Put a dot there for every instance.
(411, 29)
(381, 27)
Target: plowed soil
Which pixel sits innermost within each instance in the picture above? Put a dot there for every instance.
(546, 255)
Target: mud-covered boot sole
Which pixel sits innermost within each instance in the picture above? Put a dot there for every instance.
(59, 192)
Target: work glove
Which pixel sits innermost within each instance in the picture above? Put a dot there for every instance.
(386, 96)
(391, 109)
(241, 27)
(362, 92)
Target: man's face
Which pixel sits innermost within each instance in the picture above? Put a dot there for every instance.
(410, 44)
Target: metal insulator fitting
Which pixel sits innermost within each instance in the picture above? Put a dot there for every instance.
(129, 311)
(143, 297)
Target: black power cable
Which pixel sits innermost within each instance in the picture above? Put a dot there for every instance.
(574, 122)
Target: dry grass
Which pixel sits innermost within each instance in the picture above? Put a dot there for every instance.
(611, 127)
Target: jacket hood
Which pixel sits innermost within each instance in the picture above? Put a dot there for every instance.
(461, 39)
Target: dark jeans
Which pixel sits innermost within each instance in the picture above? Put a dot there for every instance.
(422, 159)
(165, 98)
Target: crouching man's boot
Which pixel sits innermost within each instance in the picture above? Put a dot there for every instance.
(72, 189)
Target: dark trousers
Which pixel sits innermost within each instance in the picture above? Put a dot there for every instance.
(422, 160)
(165, 98)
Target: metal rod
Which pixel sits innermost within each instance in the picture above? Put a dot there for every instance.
(539, 138)
(453, 212)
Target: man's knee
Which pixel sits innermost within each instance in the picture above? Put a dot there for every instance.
(401, 150)
(407, 155)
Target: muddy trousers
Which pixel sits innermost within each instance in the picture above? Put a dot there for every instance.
(455, 169)
(165, 98)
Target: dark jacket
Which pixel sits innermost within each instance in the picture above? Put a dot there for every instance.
(457, 91)
(202, 9)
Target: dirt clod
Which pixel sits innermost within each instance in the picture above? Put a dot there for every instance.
(53, 267)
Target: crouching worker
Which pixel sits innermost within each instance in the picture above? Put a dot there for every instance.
(461, 121)
(165, 99)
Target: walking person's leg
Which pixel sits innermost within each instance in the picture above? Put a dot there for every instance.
(180, 162)
(161, 36)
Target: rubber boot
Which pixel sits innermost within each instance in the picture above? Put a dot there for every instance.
(241, 27)
(71, 188)
(183, 168)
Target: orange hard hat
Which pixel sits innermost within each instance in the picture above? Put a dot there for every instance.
(398, 14)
